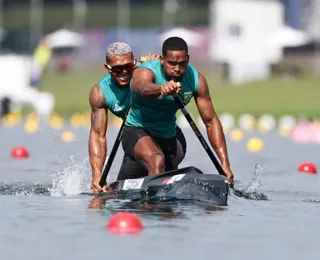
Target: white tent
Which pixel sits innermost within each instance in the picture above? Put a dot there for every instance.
(288, 37)
(192, 38)
(17, 88)
(64, 38)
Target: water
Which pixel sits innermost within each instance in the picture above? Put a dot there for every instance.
(44, 213)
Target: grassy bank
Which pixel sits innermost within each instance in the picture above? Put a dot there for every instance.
(276, 96)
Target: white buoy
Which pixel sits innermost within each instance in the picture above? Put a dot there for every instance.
(287, 121)
(246, 122)
(266, 123)
(227, 121)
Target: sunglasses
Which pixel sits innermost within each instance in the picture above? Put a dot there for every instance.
(120, 68)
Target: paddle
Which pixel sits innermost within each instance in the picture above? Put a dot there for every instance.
(199, 135)
(113, 152)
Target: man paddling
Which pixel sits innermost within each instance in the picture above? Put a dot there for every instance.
(150, 131)
(112, 93)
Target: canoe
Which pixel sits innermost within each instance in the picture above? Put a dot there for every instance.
(186, 183)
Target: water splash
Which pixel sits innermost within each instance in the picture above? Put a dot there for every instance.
(253, 191)
(73, 180)
(255, 184)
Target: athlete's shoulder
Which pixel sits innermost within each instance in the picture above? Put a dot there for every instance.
(105, 84)
(152, 64)
(105, 80)
(96, 97)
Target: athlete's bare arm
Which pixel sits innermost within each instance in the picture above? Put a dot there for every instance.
(97, 136)
(213, 125)
(142, 82)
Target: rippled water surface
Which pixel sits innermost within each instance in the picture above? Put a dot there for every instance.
(47, 213)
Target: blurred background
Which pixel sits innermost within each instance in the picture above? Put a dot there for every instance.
(259, 56)
(261, 59)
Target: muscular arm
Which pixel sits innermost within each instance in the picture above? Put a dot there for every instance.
(142, 83)
(97, 136)
(211, 121)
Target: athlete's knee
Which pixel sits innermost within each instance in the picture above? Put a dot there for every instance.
(155, 159)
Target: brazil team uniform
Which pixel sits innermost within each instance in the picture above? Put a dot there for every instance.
(157, 117)
(118, 100)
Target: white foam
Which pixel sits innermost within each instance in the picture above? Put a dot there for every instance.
(72, 180)
(255, 184)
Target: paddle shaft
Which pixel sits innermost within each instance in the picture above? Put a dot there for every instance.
(113, 152)
(199, 135)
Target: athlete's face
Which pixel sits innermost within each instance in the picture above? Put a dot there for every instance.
(175, 64)
(121, 68)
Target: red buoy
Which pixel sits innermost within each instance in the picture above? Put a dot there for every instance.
(125, 223)
(307, 167)
(19, 152)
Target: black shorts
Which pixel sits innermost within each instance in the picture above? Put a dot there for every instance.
(131, 169)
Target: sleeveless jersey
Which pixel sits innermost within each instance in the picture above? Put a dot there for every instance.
(158, 116)
(117, 98)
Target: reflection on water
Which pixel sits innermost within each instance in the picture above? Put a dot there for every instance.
(176, 209)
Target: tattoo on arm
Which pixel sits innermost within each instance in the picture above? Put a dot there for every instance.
(97, 137)
(97, 120)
